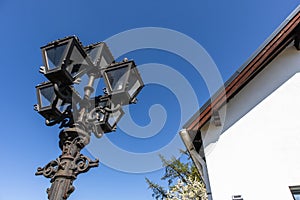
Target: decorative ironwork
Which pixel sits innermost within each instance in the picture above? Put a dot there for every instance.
(66, 61)
(84, 163)
(64, 170)
(49, 170)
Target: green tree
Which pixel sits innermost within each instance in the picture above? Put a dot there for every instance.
(184, 182)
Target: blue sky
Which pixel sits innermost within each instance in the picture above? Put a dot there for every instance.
(230, 31)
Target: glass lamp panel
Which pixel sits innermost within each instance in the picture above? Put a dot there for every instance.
(134, 88)
(94, 54)
(114, 118)
(100, 55)
(103, 62)
(106, 58)
(61, 105)
(134, 83)
(117, 78)
(79, 88)
(55, 56)
(77, 62)
(47, 96)
(101, 117)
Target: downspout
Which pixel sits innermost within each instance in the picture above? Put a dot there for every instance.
(197, 160)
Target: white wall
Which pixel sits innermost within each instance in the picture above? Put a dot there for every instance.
(257, 153)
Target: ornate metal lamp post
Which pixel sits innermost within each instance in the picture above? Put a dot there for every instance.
(66, 61)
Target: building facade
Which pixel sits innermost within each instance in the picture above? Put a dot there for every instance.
(245, 141)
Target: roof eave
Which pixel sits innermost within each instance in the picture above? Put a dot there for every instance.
(281, 37)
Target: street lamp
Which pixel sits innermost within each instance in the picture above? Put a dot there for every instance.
(123, 82)
(100, 54)
(66, 61)
(105, 115)
(49, 105)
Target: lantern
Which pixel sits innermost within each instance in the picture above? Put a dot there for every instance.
(107, 114)
(65, 60)
(99, 55)
(49, 105)
(53, 100)
(123, 82)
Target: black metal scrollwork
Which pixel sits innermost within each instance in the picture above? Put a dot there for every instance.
(83, 164)
(66, 119)
(49, 170)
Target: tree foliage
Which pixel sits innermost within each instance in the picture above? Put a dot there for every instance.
(183, 180)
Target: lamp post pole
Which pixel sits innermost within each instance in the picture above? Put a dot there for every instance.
(66, 62)
(64, 170)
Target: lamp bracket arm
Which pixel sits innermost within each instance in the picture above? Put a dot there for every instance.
(67, 114)
(112, 110)
(66, 97)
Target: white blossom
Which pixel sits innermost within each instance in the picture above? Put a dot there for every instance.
(193, 189)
